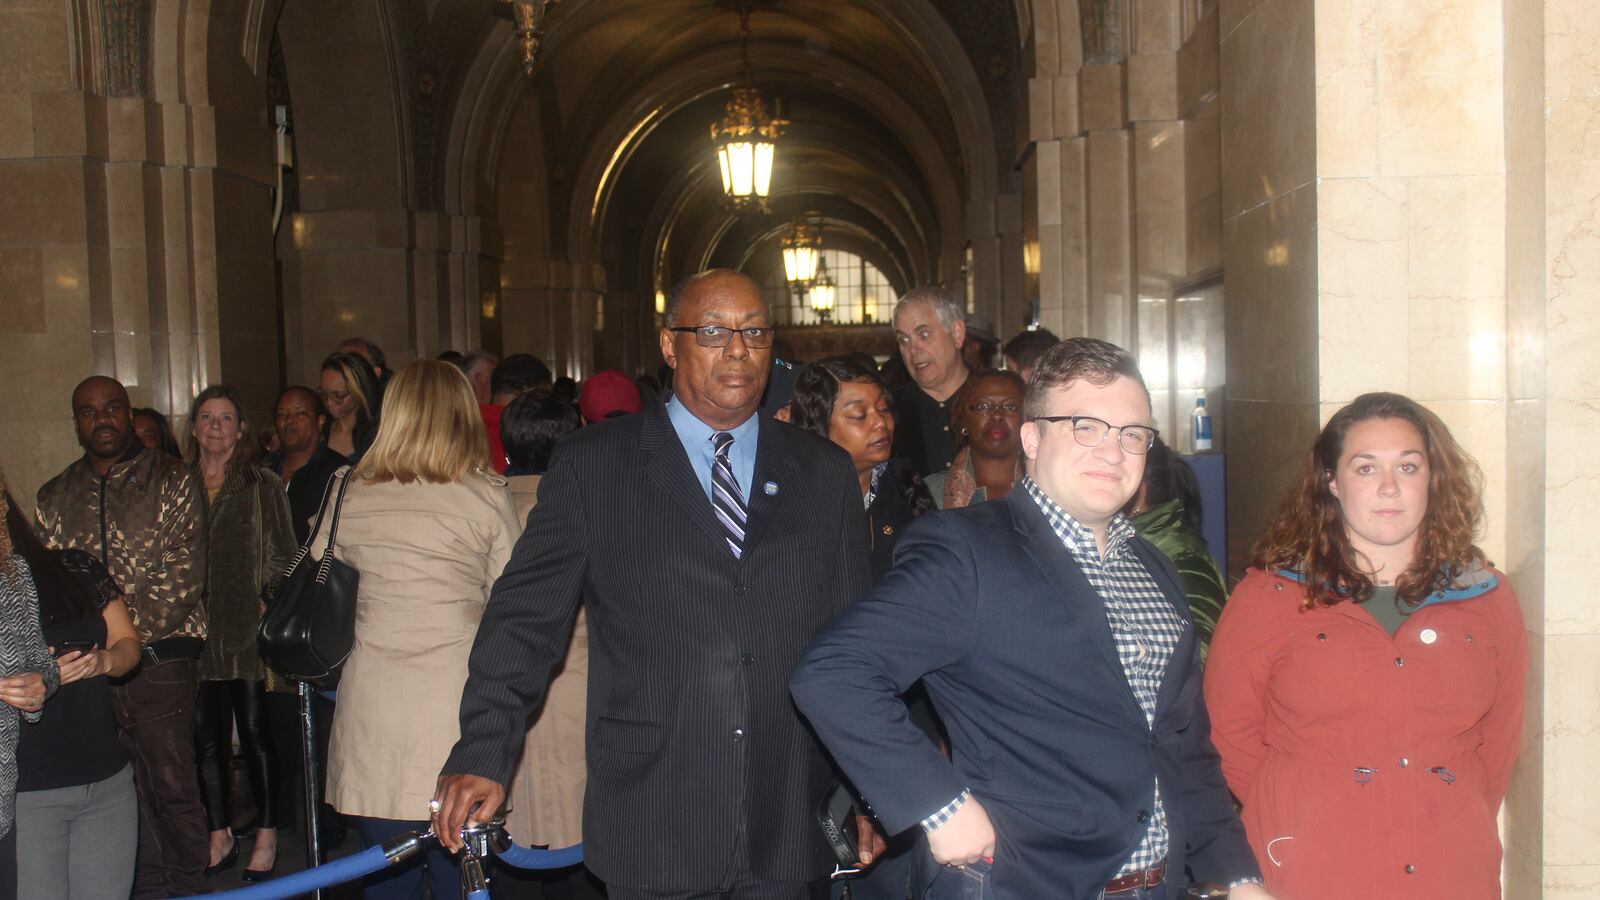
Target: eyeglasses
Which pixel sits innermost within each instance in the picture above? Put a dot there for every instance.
(1092, 432)
(984, 407)
(758, 338)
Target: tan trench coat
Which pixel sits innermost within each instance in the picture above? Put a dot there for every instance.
(546, 793)
(427, 554)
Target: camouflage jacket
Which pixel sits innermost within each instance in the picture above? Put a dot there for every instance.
(146, 523)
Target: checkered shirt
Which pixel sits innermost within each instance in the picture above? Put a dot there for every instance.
(1144, 625)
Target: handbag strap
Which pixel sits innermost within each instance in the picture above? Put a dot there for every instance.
(316, 526)
(343, 477)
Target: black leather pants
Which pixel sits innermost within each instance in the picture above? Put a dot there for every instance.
(222, 705)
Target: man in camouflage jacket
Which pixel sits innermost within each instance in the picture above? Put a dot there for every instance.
(142, 514)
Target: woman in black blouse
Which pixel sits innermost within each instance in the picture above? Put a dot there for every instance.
(77, 818)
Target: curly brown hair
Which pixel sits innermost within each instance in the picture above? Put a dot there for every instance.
(1308, 534)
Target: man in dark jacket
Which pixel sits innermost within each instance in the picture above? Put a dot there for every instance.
(1059, 652)
(708, 544)
(142, 514)
(931, 328)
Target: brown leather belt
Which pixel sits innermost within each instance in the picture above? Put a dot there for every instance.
(1147, 878)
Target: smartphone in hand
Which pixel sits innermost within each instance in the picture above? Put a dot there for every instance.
(65, 647)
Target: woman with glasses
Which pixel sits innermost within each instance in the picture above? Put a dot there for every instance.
(986, 415)
(843, 399)
(1366, 679)
(349, 391)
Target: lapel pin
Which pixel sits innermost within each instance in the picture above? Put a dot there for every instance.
(771, 488)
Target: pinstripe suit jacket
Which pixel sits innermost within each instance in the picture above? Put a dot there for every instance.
(690, 725)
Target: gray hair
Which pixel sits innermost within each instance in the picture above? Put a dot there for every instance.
(943, 303)
(477, 359)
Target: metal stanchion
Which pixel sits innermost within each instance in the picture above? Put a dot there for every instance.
(313, 779)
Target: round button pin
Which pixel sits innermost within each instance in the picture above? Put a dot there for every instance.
(1429, 635)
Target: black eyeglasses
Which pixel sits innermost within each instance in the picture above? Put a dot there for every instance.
(758, 338)
(1092, 432)
(984, 407)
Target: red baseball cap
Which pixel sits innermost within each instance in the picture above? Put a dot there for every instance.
(608, 392)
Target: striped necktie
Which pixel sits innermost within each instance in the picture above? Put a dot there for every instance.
(726, 498)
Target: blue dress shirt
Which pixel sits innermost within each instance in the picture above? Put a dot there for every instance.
(696, 438)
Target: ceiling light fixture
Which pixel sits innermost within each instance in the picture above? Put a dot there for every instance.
(746, 136)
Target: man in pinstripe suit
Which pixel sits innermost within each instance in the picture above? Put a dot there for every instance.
(709, 545)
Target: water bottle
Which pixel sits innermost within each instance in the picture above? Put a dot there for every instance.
(1201, 430)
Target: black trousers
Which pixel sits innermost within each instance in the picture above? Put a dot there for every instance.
(8, 864)
(155, 723)
(222, 705)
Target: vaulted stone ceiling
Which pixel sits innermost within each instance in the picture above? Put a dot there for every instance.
(893, 103)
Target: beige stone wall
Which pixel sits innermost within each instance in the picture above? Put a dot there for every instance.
(114, 258)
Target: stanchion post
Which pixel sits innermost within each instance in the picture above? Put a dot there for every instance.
(313, 779)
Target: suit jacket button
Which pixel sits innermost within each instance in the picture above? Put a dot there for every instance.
(1143, 815)
(738, 590)
(738, 734)
(1410, 868)
(748, 659)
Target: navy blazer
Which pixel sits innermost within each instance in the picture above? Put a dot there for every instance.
(989, 609)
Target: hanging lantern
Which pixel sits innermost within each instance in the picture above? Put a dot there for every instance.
(800, 251)
(822, 293)
(746, 137)
(529, 16)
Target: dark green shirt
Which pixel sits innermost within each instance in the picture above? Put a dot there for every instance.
(1385, 606)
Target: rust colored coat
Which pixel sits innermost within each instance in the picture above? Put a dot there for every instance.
(1367, 765)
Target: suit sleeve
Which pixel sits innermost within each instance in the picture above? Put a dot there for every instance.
(178, 582)
(853, 577)
(1502, 726)
(525, 629)
(848, 682)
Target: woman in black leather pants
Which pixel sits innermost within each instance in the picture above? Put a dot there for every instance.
(251, 539)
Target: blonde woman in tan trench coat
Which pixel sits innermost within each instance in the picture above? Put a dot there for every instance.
(429, 527)
(545, 800)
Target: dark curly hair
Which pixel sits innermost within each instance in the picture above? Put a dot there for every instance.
(1308, 534)
(816, 389)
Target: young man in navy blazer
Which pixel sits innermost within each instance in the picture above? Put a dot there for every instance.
(1059, 651)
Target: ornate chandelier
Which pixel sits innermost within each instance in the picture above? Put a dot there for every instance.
(746, 137)
(529, 15)
(800, 251)
(822, 292)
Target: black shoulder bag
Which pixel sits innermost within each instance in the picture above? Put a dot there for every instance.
(310, 623)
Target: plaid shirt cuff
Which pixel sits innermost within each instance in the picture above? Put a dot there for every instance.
(946, 811)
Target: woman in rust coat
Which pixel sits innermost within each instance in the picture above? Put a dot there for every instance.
(1366, 679)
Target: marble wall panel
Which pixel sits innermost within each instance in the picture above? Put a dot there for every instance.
(1571, 745)
(1102, 100)
(1269, 255)
(16, 125)
(1269, 131)
(1198, 65)
(1457, 276)
(1348, 38)
(1152, 86)
(1573, 489)
(1441, 84)
(1267, 444)
(1160, 173)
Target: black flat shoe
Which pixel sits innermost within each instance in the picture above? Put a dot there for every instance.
(227, 860)
(256, 876)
